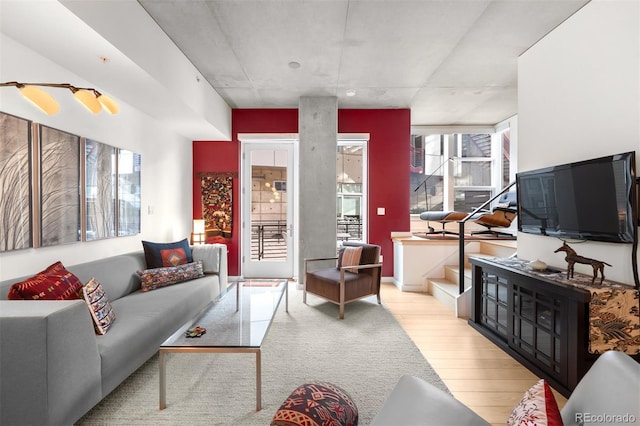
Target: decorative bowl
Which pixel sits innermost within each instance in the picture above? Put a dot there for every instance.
(537, 265)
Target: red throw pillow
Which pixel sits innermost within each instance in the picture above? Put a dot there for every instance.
(537, 407)
(54, 283)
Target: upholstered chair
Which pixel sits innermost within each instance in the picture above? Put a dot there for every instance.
(501, 216)
(356, 275)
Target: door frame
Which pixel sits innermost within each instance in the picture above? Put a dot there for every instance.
(269, 140)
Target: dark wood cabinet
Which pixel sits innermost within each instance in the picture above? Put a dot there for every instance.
(541, 323)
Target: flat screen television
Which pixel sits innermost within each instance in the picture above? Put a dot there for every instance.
(586, 200)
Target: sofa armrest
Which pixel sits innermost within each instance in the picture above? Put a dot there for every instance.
(49, 362)
(214, 261)
(416, 402)
(611, 388)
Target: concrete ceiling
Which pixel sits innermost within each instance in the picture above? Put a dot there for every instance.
(451, 62)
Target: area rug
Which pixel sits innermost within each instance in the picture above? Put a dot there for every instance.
(365, 354)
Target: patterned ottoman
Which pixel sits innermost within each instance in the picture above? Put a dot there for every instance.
(317, 404)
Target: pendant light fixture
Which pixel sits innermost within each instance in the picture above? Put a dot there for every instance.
(90, 98)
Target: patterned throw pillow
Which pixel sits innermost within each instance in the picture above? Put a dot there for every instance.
(150, 279)
(316, 404)
(158, 255)
(99, 306)
(537, 407)
(54, 283)
(351, 257)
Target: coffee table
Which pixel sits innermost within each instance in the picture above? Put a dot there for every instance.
(233, 325)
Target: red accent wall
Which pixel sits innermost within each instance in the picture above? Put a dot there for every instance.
(224, 156)
(390, 132)
(389, 178)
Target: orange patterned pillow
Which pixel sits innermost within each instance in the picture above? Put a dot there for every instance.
(54, 283)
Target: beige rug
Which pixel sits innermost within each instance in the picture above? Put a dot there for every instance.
(365, 354)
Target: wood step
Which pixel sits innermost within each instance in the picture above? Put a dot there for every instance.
(452, 275)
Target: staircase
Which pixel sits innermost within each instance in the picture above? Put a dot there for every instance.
(446, 289)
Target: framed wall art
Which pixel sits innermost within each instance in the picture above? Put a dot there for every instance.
(100, 190)
(15, 183)
(129, 165)
(59, 188)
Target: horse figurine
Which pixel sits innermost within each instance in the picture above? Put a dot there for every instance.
(572, 258)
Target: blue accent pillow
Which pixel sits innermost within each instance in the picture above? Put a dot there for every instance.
(159, 255)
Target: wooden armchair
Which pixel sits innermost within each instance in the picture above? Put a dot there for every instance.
(350, 280)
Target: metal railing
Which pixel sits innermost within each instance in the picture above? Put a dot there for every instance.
(461, 224)
(269, 239)
(351, 226)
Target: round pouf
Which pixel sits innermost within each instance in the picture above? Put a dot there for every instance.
(317, 404)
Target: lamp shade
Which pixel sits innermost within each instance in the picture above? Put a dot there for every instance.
(108, 104)
(88, 99)
(198, 226)
(41, 99)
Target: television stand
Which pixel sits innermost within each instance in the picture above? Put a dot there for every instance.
(534, 317)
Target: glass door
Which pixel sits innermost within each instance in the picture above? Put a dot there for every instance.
(351, 188)
(267, 243)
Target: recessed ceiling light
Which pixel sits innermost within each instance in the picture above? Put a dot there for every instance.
(294, 65)
(350, 92)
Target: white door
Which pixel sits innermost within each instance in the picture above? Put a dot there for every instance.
(267, 212)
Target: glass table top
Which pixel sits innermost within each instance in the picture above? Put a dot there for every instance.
(227, 327)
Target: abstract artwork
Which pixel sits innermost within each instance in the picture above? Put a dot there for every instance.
(15, 183)
(59, 190)
(129, 164)
(42, 201)
(100, 191)
(217, 211)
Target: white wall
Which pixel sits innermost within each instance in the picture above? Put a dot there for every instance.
(166, 161)
(579, 98)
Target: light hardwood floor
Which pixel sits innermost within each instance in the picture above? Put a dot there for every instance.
(476, 371)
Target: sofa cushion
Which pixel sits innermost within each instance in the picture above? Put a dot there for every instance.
(117, 274)
(162, 277)
(101, 311)
(537, 407)
(145, 320)
(158, 255)
(315, 404)
(53, 283)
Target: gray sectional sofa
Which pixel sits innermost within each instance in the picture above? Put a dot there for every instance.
(53, 366)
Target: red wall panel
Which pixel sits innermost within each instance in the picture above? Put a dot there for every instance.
(389, 142)
(390, 132)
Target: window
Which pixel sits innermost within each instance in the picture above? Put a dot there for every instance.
(457, 171)
(351, 189)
